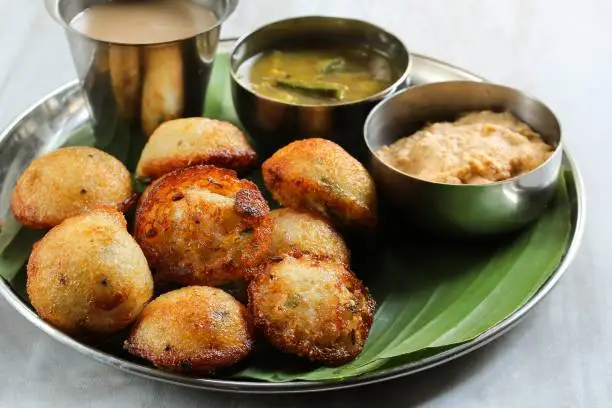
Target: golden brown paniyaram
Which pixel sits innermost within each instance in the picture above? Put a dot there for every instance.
(88, 275)
(301, 232)
(312, 308)
(196, 329)
(318, 175)
(186, 142)
(202, 226)
(67, 182)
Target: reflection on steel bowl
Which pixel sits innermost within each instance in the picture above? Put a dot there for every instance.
(313, 100)
(462, 209)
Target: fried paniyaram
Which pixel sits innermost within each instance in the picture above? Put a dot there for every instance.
(88, 275)
(301, 232)
(202, 226)
(67, 182)
(312, 308)
(318, 175)
(196, 329)
(182, 143)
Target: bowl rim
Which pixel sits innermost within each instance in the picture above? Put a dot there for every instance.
(558, 150)
(377, 97)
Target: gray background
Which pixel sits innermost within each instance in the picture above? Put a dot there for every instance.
(560, 51)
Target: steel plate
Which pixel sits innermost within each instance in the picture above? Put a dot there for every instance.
(47, 124)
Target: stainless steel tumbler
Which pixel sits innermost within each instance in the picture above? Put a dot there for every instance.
(131, 89)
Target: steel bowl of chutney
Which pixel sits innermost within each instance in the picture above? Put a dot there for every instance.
(465, 159)
(314, 76)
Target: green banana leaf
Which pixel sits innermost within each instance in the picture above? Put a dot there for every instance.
(431, 294)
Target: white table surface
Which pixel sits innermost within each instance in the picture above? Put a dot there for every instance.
(560, 356)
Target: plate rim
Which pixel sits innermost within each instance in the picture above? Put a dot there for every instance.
(301, 386)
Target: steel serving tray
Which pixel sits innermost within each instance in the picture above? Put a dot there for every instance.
(48, 122)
